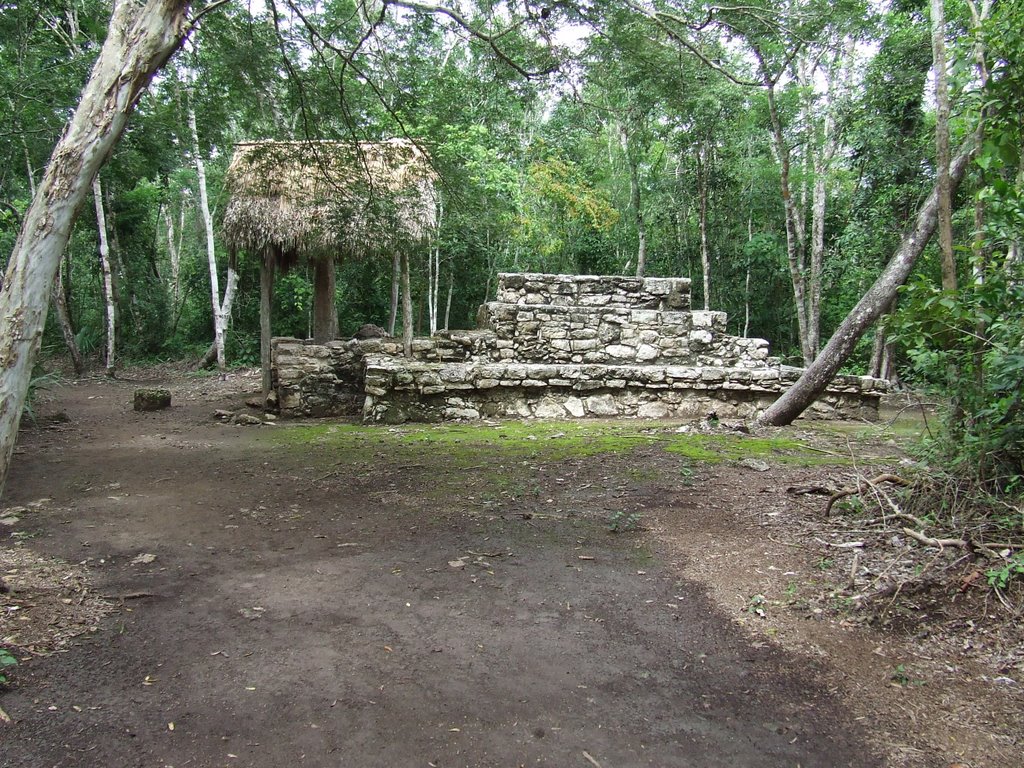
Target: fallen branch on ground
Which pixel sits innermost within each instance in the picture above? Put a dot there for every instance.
(862, 486)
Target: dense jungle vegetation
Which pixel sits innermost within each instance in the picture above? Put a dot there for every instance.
(773, 152)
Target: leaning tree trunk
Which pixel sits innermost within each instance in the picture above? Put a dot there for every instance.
(141, 38)
(819, 374)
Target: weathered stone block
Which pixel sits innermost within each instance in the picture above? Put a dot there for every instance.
(601, 405)
(152, 399)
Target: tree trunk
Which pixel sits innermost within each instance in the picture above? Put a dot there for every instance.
(818, 201)
(325, 318)
(795, 247)
(109, 305)
(703, 171)
(945, 210)
(406, 306)
(221, 310)
(174, 252)
(141, 38)
(448, 303)
(210, 357)
(635, 203)
(396, 279)
(267, 265)
(64, 320)
(819, 374)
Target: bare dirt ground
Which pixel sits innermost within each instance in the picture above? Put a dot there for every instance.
(190, 593)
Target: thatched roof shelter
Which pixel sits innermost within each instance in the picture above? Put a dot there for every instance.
(323, 199)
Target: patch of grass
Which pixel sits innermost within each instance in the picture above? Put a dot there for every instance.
(716, 448)
(473, 444)
(469, 444)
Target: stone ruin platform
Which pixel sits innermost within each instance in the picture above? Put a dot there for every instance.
(558, 346)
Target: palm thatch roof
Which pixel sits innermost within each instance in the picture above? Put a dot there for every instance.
(323, 199)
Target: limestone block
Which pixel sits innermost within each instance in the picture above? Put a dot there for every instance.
(584, 345)
(615, 383)
(646, 353)
(654, 410)
(601, 405)
(559, 382)
(646, 317)
(549, 408)
(575, 407)
(620, 351)
(700, 338)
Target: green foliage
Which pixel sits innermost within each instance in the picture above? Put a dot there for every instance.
(970, 348)
(37, 384)
(624, 522)
(7, 660)
(1001, 576)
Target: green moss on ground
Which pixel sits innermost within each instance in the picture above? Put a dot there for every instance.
(473, 444)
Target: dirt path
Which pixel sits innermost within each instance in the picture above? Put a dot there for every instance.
(281, 601)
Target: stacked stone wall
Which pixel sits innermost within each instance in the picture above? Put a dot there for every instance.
(557, 346)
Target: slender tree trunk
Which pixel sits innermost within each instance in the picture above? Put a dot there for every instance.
(267, 265)
(820, 373)
(448, 303)
(210, 357)
(635, 202)
(175, 255)
(109, 305)
(396, 279)
(795, 247)
(407, 319)
(325, 317)
(945, 212)
(64, 320)
(818, 202)
(703, 171)
(141, 37)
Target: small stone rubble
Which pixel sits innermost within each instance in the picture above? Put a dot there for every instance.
(558, 346)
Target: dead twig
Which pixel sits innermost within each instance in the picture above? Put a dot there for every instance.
(863, 486)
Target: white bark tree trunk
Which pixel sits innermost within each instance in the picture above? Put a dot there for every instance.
(142, 35)
(396, 279)
(221, 309)
(174, 252)
(635, 202)
(109, 307)
(872, 304)
(703, 172)
(406, 306)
